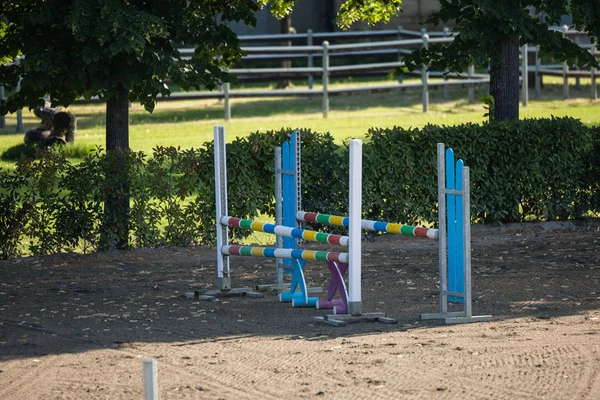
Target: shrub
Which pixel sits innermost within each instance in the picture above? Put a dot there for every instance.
(531, 169)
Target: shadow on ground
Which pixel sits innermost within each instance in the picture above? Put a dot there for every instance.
(75, 303)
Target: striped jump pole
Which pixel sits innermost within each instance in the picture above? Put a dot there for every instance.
(298, 298)
(368, 225)
(294, 254)
(286, 231)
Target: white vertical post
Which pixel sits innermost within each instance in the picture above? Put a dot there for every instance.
(443, 237)
(577, 79)
(325, 78)
(538, 75)
(310, 61)
(223, 271)
(298, 172)
(425, 74)
(150, 379)
(400, 76)
(19, 111)
(354, 229)
(471, 90)
(446, 32)
(593, 75)
(524, 76)
(565, 68)
(227, 104)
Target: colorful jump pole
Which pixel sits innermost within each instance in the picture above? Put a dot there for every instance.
(273, 252)
(368, 225)
(286, 231)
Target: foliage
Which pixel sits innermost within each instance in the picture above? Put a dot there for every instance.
(59, 206)
(589, 199)
(489, 105)
(532, 169)
(103, 45)
(521, 170)
(125, 51)
(74, 150)
(481, 23)
(482, 27)
(89, 48)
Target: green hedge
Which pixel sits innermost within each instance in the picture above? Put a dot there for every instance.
(532, 169)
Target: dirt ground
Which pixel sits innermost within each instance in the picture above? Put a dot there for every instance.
(79, 326)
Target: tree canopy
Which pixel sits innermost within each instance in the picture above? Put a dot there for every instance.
(488, 32)
(127, 51)
(75, 48)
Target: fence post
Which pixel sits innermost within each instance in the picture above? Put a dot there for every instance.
(538, 76)
(593, 75)
(227, 103)
(325, 78)
(20, 120)
(471, 90)
(310, 61)
(425, 73)
(524, 76)
(565, 29)
(19, 113)
(400, 76)
(446, 33)
(576, 66)
(2, 119)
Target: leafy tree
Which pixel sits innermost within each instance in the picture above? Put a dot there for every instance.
(126, 51)
(489, 32)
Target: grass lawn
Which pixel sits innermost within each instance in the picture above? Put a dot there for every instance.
(189, 123)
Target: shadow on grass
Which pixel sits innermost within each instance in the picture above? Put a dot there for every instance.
(170, 112)
(256, 108)
(20, 151)
(261, 107)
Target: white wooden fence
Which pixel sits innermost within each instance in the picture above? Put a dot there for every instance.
(403, 43)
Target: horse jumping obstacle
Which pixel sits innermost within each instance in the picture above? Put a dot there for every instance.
(337, 261)
(453, 233)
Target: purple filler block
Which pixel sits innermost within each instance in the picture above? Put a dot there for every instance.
(341, 309)
(327, 304)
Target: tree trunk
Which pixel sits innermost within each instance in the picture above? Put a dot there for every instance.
(286, 25)
(116, 191)
(504, 80)
(117, 121)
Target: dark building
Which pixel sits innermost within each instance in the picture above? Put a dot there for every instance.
(319, 15)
